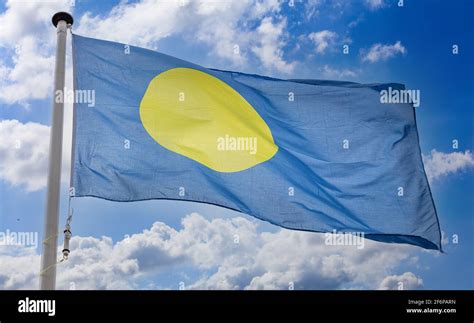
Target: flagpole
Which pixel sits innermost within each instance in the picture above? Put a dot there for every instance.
(61, 20)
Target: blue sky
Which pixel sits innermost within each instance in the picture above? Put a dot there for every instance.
(387, 43)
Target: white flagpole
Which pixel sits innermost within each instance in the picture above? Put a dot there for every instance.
(61, 21)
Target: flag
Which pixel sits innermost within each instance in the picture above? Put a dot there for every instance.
(311, 155)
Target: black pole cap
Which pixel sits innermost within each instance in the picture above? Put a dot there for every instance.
(58, 16)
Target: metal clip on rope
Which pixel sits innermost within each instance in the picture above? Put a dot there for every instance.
(67, 234)
(67, 237)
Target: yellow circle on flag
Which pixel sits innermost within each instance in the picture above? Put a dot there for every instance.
(195, 114)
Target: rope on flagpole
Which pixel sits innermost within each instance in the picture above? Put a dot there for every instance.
(50, 266)
(67, 238)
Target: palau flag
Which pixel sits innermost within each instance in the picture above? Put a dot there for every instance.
(302, 154)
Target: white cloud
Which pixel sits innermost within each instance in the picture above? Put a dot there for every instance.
(323, 40)
(375, 4)
(218, 27)
(27, 33)
(270, 44)
(302, 259)
(406, 281)
(222, 25)
(438, 164)
(311, 8)
(261, 8)
(142, 23)
(19, 268)
(30, 78)
(335, 73)
(24, 154)
(380, 52)
(260, 260)
(354, 23)
(29, 18)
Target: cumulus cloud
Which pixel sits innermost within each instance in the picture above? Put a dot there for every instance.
(269, 47)
(24, 149)
(31, 76)
(323, 40)
(301, 260)
(19, 267)
(225, 26)
(227, 254)
(406, 281)
(31, 47)
(24, 153)
(29, 18)
(438, 164)
(142, 23)
(381, 52)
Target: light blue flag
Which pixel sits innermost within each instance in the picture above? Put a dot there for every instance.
(302, 154)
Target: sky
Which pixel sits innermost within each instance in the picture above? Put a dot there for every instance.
(426, 45)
